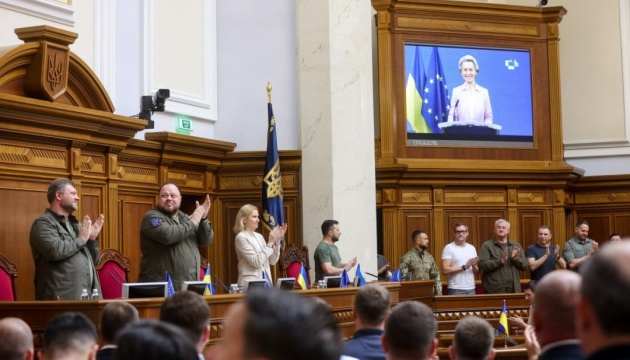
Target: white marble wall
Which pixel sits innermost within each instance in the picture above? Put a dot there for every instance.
(336, 124)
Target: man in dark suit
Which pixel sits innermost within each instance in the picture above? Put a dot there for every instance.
(603, 314)
(115, 317)
(371, 306)
(554, 315)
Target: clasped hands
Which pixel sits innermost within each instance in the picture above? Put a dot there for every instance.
(201, 211)
(472, 262)
(277, 234)
(514, 254)
(89, 230)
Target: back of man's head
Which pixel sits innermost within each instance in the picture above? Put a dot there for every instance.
(410, 331)
(115, 316)
(16, 339)
(371, 305)
(284, 326)
(474, 339)
(556, 297)
(70, 335)
(603, 309)
(189, 311)
(154, 340)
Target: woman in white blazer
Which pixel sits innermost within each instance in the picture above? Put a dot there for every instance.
(254, 254)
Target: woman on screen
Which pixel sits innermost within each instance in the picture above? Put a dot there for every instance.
(254, 254)
(470, 102)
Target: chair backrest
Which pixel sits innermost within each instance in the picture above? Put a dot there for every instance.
(113, 271)
(8, 273)
(202, 268)
(290, 260)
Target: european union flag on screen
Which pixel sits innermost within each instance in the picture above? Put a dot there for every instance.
(210, 288)
(359, 275)
(171, 289)
(416, 78)
(345, 279)
(436, 101)
(272, 193)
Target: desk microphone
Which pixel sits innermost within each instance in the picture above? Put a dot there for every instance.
(455, 116)
(509, 339)
(222, 284)
(371, 274)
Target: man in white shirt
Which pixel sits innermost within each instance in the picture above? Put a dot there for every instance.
(460, 263)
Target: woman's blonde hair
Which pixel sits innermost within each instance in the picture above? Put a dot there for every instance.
(245, 211)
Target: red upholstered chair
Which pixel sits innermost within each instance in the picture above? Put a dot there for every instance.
(291, 260)
(202, 268)
(8, 273)
(113, 271)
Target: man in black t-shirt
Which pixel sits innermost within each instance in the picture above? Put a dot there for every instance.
(543, 257)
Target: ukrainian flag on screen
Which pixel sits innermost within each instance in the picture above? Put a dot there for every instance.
(414, 90)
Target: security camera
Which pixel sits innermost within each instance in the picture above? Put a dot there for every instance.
(542, 2)
(149, 104)
(160, 98)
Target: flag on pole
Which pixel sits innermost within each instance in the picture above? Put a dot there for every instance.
(171, 289)
(395, 277)
(503, 321)
(345, 279)
(210, 288)
(301, 278)
(436, 102)
(272, 193)
(414, 93)
(359, 274)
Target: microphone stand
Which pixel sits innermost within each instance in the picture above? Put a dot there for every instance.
(222, 284)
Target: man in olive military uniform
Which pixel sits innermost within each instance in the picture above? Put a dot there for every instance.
(170, 239)
(418, 264)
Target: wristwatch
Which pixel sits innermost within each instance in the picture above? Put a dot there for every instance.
(464, 267)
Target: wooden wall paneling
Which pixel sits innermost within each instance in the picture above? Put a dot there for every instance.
(599, 225)
(414, 220)
(530, 221)
(26, 200)
(131, 209)
(621, 223)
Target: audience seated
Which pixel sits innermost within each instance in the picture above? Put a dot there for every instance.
(154, 340)
(474, 339)
(276, 325)
(70, 335)
(191, 313)
(371, 306)
(410, 332)
(603, 315)
(114, 318)
(16, 340)
(554, 316)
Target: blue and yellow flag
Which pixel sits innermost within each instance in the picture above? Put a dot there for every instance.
(171, 289)
(436, 103)
(503, 321)
(358, 274)
(207, 278)
(414, 92)
(345, 279)
(272, 193)
(267, 282)
(301, 279)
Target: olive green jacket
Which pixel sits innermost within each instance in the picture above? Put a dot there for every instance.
(173, 246)
(496, 276)
(64, 264)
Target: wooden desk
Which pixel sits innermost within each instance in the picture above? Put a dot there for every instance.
(38, 313)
